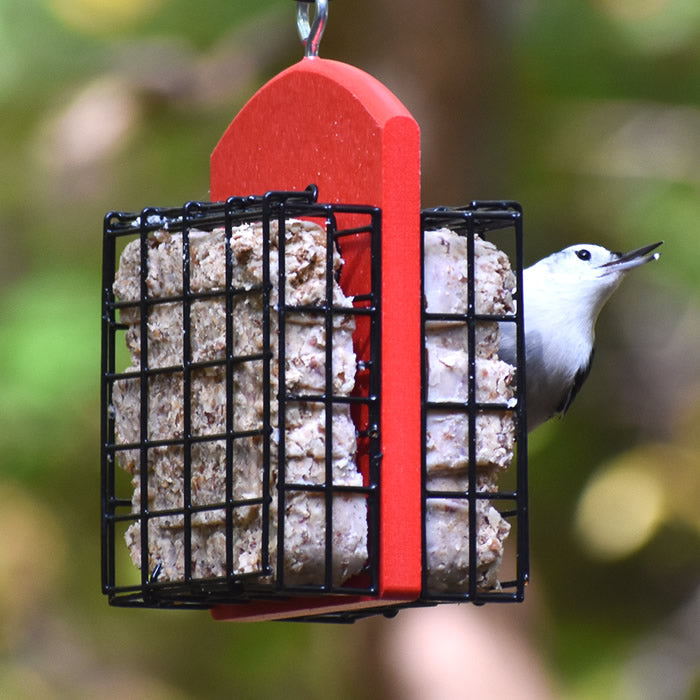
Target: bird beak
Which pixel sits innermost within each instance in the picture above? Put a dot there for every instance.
(635, 258)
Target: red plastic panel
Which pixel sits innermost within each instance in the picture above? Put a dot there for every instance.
(333, 125)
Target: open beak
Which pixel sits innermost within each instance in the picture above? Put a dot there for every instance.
(634, 258)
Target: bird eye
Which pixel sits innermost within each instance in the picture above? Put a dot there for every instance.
(583, 254)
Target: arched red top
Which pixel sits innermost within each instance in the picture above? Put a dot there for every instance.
(326, 123)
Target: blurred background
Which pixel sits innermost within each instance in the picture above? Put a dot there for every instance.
(585, 111)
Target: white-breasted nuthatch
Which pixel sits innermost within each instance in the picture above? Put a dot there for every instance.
(562, 297)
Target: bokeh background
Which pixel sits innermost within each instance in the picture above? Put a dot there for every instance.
(585, 111)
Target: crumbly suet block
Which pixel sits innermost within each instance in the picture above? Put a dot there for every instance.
(304, 519)
(447, 431)
(305, 432)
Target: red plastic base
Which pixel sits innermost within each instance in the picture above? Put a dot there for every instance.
(261, 611)
(333, 125)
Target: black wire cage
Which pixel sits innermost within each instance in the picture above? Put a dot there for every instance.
(241, 431)
(481, 414)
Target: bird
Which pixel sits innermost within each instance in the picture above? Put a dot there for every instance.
(562, 296)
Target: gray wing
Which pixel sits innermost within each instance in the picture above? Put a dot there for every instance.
(506, 351)
(576, 385)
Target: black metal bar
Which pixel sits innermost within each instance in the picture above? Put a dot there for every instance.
(464, 495)
(144, 383)
(465, 406)
(267, 359)
(471, 415)
(323, 488)
(465, 318)
(523, 546)
(230, 423)
(321, 398)
(375, 393)
(323, 310)
(210, 507)
(187, 398)
(423, 414)
(106, 418)
(169, 442)
(328, 403)
(173, 369)
(179, 298)
(282, 385)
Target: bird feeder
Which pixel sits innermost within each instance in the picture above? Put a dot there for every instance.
(312, 420)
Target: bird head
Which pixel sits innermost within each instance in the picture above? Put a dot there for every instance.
(585, 275)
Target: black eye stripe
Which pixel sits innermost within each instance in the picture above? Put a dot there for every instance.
(583, 254)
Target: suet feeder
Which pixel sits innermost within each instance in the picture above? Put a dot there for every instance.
(313, 419)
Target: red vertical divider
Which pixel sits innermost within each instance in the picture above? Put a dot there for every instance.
(333, 125)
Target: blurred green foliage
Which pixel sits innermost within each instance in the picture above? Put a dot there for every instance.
(586, 111)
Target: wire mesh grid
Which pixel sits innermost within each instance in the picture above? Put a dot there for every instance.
(174, 540)
(501, 223)
(468, 501)
(136, 515)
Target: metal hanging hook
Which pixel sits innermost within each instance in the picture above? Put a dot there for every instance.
(311, 33)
